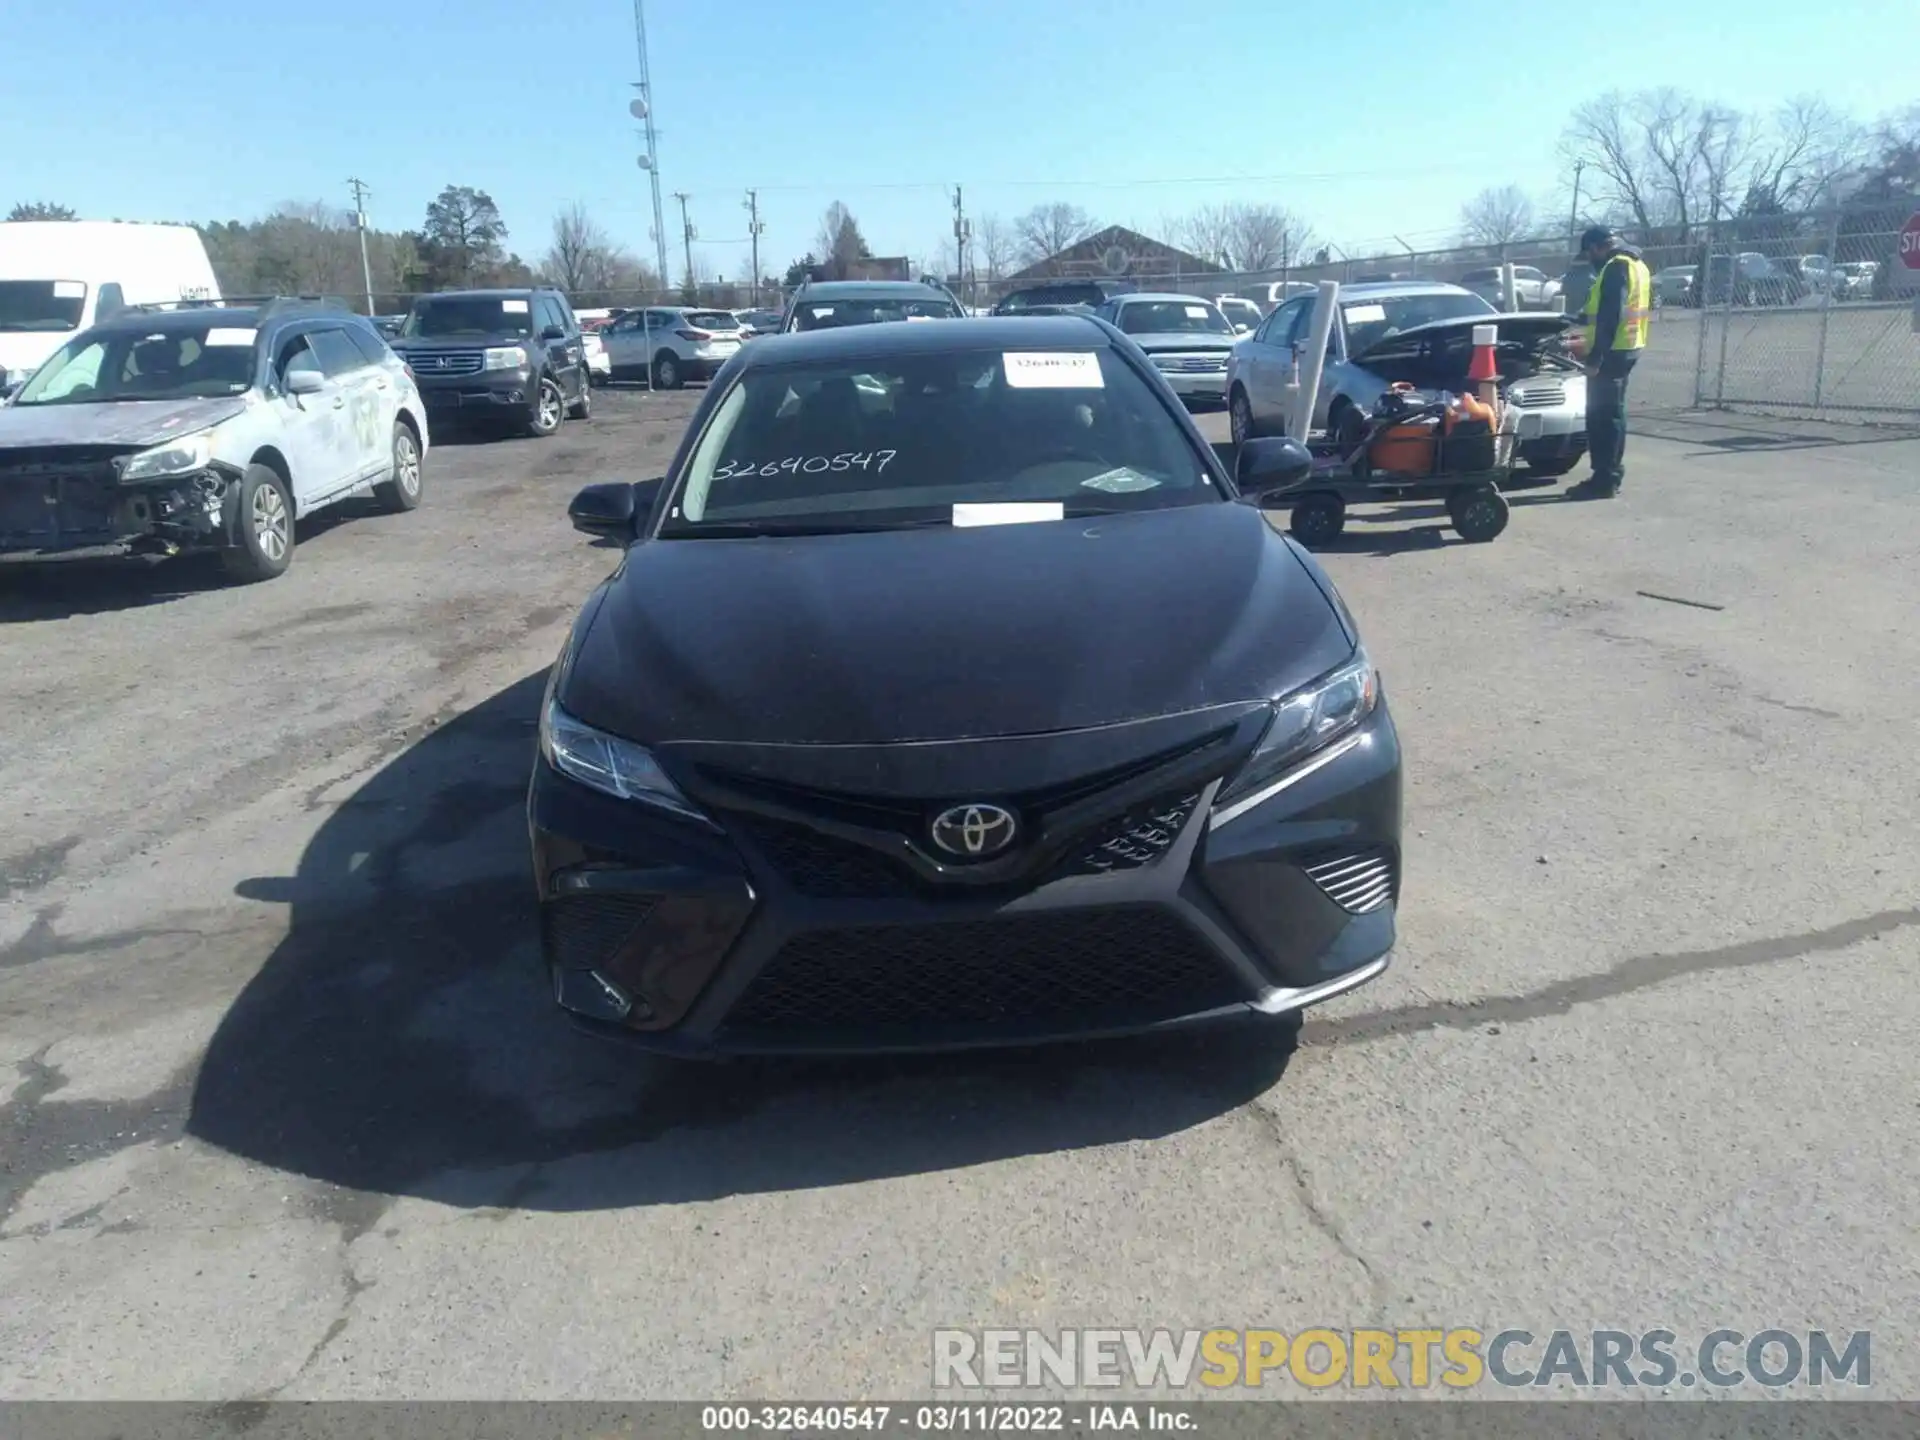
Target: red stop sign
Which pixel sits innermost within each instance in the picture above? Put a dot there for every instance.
(1910, 242)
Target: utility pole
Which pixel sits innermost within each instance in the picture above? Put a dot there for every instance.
(360, 193)
(1573, 220)
(962, 245)
(754, 231)
(686, 234)
(642, 109)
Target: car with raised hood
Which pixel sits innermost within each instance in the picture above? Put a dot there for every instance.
(512, 357)
(952, 692)
(206, 429)
(1418, 333)
(1187, 339)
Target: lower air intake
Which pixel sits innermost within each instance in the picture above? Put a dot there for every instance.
(583, 932)
(1357, 880)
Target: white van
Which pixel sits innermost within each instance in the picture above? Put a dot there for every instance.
(57, 277)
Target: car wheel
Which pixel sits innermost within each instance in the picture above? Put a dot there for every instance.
(1478, 513)
(666, 371)
(582, 409)
(549, 405)
(402, 492)
(1553, 466)
(263, 526)
(1240, 417)
(1318, 519)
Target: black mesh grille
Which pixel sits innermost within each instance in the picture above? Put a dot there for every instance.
(1068, 969)
(1134, 840)
(826, 866)
(582, 932)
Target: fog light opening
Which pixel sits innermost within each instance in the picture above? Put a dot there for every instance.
(589, 993)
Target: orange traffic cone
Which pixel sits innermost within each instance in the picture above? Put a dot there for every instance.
(1482, 369)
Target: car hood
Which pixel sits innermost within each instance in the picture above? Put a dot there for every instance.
(1531, 330)
(1186, 340)
(135, 424)
(422, 344)
(947, 634)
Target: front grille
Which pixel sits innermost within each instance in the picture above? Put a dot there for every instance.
(824, 866)
(584, 932)
(1190, 364)
(1540, 395)
(1357, 880)
(1076, 970)
(1135, 839)
(447, 362)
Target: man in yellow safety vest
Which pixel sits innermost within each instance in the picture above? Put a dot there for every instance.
(1617, 313)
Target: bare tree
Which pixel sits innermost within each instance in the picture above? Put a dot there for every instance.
(1205, 232)
(1497, 216)
(993, 246)
(840, 242)
(1606, 144)
(1806, 149)
(1046, 230)
(581, 253)
(1264, 237)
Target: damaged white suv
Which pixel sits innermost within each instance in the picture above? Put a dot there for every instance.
(206, 428)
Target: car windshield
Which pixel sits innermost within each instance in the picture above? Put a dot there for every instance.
(100, 367)
(1165, 317)
(1244, 312)
(711, 320)
(832, 314)
(41, 305)
(469, 315)
(912, 440)
(1371, 321)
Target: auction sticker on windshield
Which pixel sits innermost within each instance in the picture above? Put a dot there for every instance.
(233, 336)
(1015, 512)
(514, 307)
(1196, 312)
(1045, 370)
(1365, 314)
(69, 290)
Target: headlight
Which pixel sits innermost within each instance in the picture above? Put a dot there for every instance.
(1309, 719)
(608, 764)
(506, 357)
(183, 456)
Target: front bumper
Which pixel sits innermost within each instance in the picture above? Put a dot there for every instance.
(702, 367)
(503, 393)
(1202, 387)
(1160, 910)
(79, 509)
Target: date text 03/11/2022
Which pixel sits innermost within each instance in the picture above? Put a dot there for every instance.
(806, 464)
(941, 1419)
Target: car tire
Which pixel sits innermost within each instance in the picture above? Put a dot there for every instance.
(1318, 519)
(582, 409)
(667, 374)
(263, 538)
(1240, 418)
(1479, 513)
(402, 492)
(549, 408)
(1554, 467)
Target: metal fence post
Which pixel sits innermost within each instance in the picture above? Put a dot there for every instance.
(1726, 321)
(1706, 317)
(1826, 308)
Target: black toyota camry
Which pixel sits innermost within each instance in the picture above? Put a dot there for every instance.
(951, 693)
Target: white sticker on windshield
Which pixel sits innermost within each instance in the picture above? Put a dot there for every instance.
(1053, 370)
(1196, 312)
(914, 319)
(1120, 482)
(1365, 314)
(1011, 513)
(514, 307)
(820, 312)
(234, 336)
(69, 290)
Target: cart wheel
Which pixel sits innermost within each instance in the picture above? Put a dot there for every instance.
(1349, 433)
(1318, 519)
(1479, 513)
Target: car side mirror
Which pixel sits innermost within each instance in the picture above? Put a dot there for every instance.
(305, 382)
(554, 332)
(7, 392)
(613, 510)
(1265, 466)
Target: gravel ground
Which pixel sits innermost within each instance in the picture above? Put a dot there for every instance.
(285, 1111)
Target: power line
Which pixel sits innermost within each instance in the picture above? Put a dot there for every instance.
(1287, 178)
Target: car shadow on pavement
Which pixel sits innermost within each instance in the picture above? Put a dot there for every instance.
(401, 1039)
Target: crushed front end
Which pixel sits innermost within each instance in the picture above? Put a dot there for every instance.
(70, 501)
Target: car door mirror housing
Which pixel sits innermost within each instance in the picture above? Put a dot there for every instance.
(305, 382)
(1272, 464)
(614, 510)
(554, 332)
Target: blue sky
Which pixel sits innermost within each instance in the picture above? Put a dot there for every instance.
(160, 109)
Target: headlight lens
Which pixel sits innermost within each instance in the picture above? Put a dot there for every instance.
(177, 457)
(506, 357)
(607, 763)
(1309, 719)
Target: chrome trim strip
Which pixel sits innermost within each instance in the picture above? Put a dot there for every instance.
(1280, 999)
(1292, 777)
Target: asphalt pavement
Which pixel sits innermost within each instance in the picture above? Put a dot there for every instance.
(285, 1110)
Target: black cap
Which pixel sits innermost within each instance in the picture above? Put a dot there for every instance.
(1594, 235)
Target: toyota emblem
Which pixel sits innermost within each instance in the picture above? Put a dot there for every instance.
(975, 831)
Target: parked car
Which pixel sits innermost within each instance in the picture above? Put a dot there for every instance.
(671, 344)
(893, 773)
(832, 304)
(1419, 333)
(512, 355)
(1672, 285)
(206, 430)
(1277, 292)
(1529, 286)
(1186, 338)
(758, 322)
(1244, 315)
(1091, 293)
(389, 325)
(599, 363)
(1853, 279)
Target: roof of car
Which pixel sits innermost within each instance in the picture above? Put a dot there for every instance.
(1390, 289)
(870, 290)
(505, 292)
(236, 317)
(1161, 296)
(985, 332)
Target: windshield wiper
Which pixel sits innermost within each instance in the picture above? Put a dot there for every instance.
(756, 529)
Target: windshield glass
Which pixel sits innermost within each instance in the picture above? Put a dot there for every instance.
(832, 314)
(173, 364)
(711, 320)
(41, 304)
(1163, 317)
(1240, 312)
(875, 444)
(469, 315)
(1371, 321)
